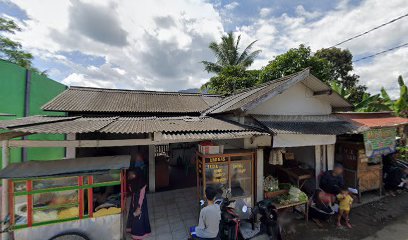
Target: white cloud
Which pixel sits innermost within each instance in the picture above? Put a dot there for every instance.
(231, 6)
(160, 45)
(264, 12)
(301, 11)
(157, 46)
(279, 33)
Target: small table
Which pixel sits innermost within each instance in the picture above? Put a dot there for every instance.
(293, 205)
(297, 175)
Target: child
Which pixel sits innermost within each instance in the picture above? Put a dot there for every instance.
(344, 207)
(210, 216)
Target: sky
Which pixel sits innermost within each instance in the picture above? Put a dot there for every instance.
(159, 44)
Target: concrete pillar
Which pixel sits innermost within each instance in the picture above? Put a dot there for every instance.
(4, 189)
(70, 152)
(259, 174)
(318, 161)
(152, 169)
(330, 156)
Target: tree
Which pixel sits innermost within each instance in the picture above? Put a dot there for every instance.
(11, 50)
(231, 79)
(295, 60)
(371, 103)
(329, 65)
(341, 61)
(400, 105)
(227, 54)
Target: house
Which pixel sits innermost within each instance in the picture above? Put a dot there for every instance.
(287, 127)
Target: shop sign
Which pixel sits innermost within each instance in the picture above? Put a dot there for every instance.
(379, 141)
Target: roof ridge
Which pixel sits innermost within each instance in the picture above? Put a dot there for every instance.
(140, 91)
(258, 88)
(270, 82)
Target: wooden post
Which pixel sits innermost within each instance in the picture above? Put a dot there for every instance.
(259, 174)
(152, 168)
(330, 156)
(318, 161)
(4, 190)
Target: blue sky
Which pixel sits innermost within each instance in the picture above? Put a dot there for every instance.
(158, 45)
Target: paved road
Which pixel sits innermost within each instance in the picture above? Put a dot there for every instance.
(397, 230)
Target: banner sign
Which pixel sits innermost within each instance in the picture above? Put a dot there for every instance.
(379, 141)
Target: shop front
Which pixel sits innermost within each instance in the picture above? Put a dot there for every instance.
(362, 153)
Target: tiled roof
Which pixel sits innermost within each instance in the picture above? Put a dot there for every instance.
(321, 125)
(127, 125)
(81, 99)
(247, 98)
(373, 120)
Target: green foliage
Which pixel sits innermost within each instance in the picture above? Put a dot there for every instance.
(400, 105)
(341, 61)
(227, 54)
(371, 103)
(329, 65)
(295, 60)
(11, 50)
(231, 79)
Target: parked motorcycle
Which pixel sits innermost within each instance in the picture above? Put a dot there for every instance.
(230, 221)
(266, 228)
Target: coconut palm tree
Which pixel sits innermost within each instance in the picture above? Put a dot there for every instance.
(227, 54)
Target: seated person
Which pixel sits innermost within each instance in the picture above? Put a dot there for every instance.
(320, 210)
(332, 180)
(210, 216)
(395, 175)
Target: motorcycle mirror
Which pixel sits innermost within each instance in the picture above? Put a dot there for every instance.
(244, 209)
(202, 202)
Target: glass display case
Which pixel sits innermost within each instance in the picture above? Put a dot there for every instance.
(48, 200)
(233, 171)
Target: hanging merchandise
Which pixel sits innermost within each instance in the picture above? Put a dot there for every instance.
(276, 156)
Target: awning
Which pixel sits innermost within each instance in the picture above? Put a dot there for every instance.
(307, 124)
(209, 135)
(66, 167)
(373, 119)
(121, 125)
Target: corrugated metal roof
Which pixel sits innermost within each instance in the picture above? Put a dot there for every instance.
(170, 124)
(126, 125)
(66, 167)
(250, 97)
(79, 125)
(32, 120)
(208, 135)
(81, 99)
(6, 114)
(373, 120)
(321, 125)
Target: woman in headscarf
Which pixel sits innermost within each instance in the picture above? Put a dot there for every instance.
(138, 223)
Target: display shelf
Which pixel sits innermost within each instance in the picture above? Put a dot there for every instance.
(46, 195)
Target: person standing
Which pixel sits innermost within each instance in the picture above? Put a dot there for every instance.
(138, 223)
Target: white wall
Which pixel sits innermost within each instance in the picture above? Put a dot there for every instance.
(297, 100)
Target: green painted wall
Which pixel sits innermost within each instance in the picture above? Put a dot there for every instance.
(12, 100)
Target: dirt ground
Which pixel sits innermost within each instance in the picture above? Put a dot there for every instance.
(384, 219)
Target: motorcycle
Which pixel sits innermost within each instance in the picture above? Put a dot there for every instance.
(268, 226)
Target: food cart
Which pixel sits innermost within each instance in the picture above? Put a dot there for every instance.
(232, 170)
(82, 197)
